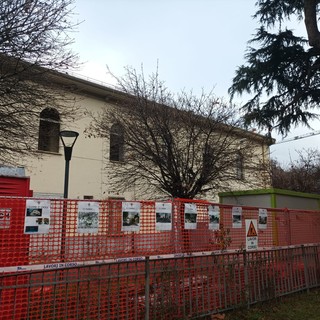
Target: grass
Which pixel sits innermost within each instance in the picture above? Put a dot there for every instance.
(300, 306)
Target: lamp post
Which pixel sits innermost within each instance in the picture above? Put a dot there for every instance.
(68, 139)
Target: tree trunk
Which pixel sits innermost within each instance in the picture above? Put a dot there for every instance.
(310, 13)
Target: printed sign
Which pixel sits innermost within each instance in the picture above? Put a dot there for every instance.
(214, 217)
(130, 216)
(236, 217)
(5, 214)
(190, 216)
(163, 216)
(37, 218)
(88, 217)
(263, 218)
(251, 234)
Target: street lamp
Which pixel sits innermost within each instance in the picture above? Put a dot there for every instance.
(68, 139)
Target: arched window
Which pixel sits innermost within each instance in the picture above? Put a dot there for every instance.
(240, 166)
(116, 143)
(49, 129)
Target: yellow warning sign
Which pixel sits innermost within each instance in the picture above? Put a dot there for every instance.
(252, 234)
(252, 231)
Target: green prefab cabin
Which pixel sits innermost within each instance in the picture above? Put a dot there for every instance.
(272, 198)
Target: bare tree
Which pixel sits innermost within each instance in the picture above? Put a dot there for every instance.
(33, 40)
(181, 145)
(302, 175)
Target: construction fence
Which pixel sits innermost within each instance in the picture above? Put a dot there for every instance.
(185, 287)
(43, 231)
(80, 259)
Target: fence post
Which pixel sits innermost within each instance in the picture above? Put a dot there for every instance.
(305, 264)
(288, 218)
(147, 288)
(316, 257)
(246, 279)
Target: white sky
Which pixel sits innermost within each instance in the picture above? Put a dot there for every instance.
(197, 43)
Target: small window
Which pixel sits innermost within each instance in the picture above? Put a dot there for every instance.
(49, 129)
(116, 143)
(240, 166)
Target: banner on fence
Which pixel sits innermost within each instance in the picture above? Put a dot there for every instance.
(37, 218)
(190, 216)
(88, 217)
(236, 217)
(131, 216)
(163, 216)
(214, 217)
(263, 218)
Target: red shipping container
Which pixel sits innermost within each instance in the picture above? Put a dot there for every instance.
(14, 243)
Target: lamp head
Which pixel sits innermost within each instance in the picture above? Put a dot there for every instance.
(68, 138)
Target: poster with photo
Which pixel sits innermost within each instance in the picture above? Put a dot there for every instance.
(214, 217)
(5, 215)
(131, 216)
(190, 216)
(88, 217)
(263, 218)
(37, 218)
(163, 216)
(237, 217)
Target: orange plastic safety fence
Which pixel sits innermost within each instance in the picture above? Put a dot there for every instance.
(78, 259)
(66, 232)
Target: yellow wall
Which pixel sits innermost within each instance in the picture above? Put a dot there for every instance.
(88, 174)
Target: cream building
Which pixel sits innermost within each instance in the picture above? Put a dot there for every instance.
(88, 176)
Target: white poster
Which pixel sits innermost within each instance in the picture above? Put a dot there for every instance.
(251, 234)
(263, 218)
(88, 217)
(190, 216)
(130, 216)
(5, 214)
(163, 216)
(236, 217)
(214, 217)
(37, 218)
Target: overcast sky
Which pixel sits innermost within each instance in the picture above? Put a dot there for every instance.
(198, 44)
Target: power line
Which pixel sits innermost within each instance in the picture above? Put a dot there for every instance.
(306, 135)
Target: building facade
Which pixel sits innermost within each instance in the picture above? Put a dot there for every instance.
(91, 156)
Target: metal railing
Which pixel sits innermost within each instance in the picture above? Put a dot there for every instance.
(181, 286)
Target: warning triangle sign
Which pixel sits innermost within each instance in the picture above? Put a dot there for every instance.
(252, 231)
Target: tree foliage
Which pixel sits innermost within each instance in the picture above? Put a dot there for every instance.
(182, 145)
(33, 40)
(302, 175)
(282, 70)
